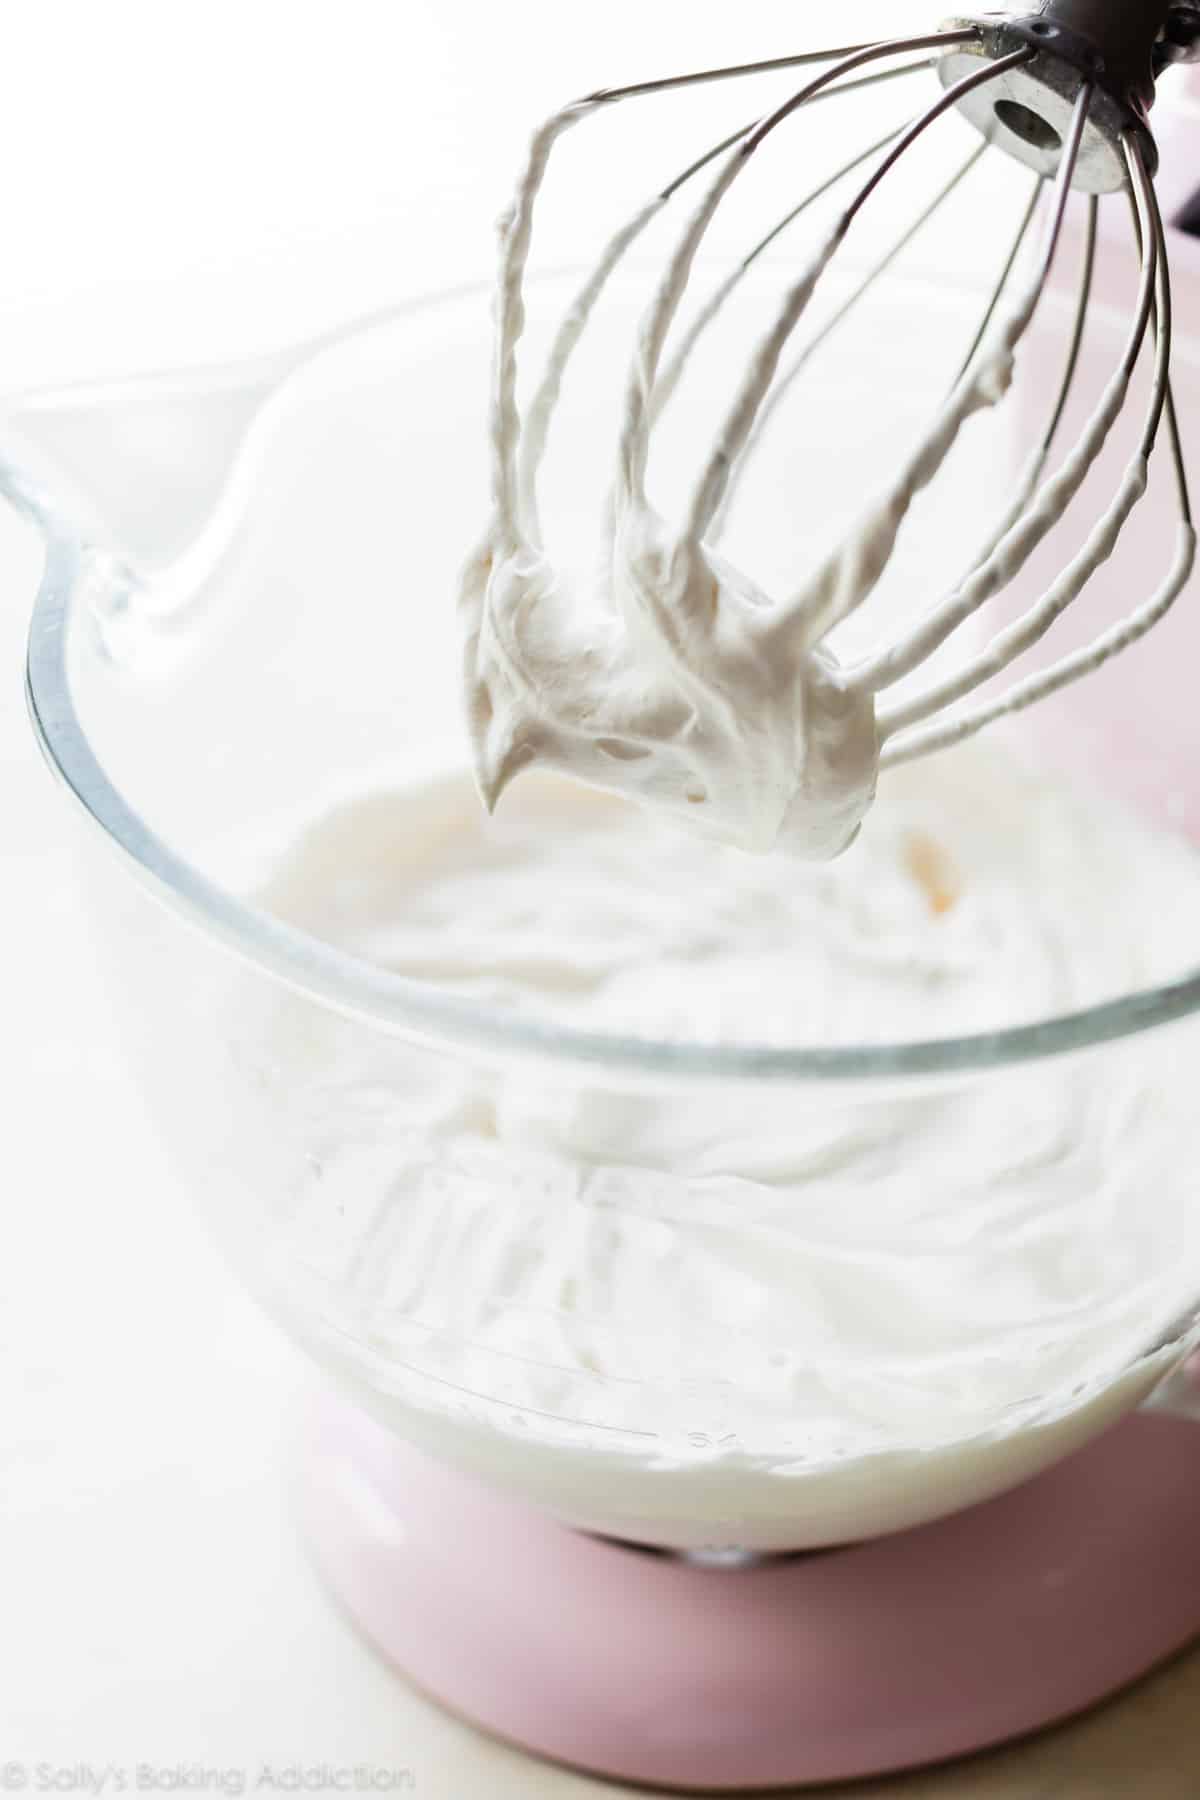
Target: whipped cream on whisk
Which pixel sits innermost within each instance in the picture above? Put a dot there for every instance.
(669, 689)
(673, 677)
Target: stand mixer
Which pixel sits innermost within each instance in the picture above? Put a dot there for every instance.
(587, 1589)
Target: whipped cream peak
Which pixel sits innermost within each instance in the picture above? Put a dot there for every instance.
(671, 683)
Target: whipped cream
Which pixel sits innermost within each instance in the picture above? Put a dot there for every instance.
(741, 1313)
(672, 676)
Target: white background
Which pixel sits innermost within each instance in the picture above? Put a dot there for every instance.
(192, 180)
(181, 183)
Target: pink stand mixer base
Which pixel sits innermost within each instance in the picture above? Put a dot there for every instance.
(905, 1650)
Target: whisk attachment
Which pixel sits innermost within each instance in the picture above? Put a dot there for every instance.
(675, 678)
(1114, 48)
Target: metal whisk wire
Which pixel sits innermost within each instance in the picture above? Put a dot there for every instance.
(898, 722)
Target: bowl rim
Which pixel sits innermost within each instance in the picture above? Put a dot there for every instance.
(418, 1009)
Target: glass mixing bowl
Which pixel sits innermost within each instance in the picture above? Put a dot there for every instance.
(247, 616)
